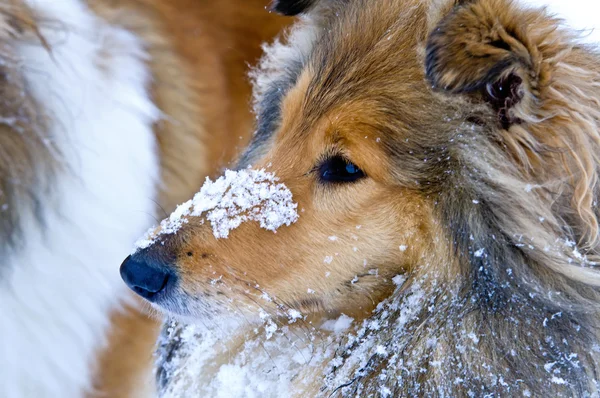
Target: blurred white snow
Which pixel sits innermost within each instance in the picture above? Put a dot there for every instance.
(580, 15)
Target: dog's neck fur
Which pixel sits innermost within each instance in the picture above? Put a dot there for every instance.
(59, 280)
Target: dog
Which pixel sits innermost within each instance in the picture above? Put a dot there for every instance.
(416, 214)
(112, 111)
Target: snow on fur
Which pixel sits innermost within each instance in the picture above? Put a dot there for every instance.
(237, 196)
(274, 355)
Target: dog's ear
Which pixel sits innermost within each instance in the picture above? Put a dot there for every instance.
(489, 46)
(292, 7)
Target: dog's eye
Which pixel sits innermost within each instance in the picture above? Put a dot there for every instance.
(504, 92)
(339, 169)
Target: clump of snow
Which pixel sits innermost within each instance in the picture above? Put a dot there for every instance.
(528, 188)
(294, 315)
(338, 325)
(479, 253)
(237, 196)
(558, 380)
(381, 351)
(473, 337)
(399, 280)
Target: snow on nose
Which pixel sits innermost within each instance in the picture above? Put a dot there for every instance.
(235, 197)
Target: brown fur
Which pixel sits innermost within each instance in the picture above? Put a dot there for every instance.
(125, 367)
(477, 125)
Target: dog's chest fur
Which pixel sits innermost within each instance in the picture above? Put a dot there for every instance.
(58, 288)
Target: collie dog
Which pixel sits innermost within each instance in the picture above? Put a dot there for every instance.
(416, 215)
(110, 111)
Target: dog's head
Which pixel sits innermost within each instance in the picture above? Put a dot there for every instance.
(415, 137)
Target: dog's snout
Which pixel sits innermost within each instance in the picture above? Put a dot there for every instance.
(146, 278)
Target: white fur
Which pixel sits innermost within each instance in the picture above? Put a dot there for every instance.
(581, 15)
(57, 292)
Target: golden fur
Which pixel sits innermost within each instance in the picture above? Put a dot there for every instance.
(477, 124)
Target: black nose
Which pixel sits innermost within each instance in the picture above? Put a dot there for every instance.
(146, 278)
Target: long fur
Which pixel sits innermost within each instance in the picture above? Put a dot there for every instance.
(500, 295)
(521, 316)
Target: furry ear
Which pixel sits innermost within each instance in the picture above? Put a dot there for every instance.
(485, 46)
(292, 7)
